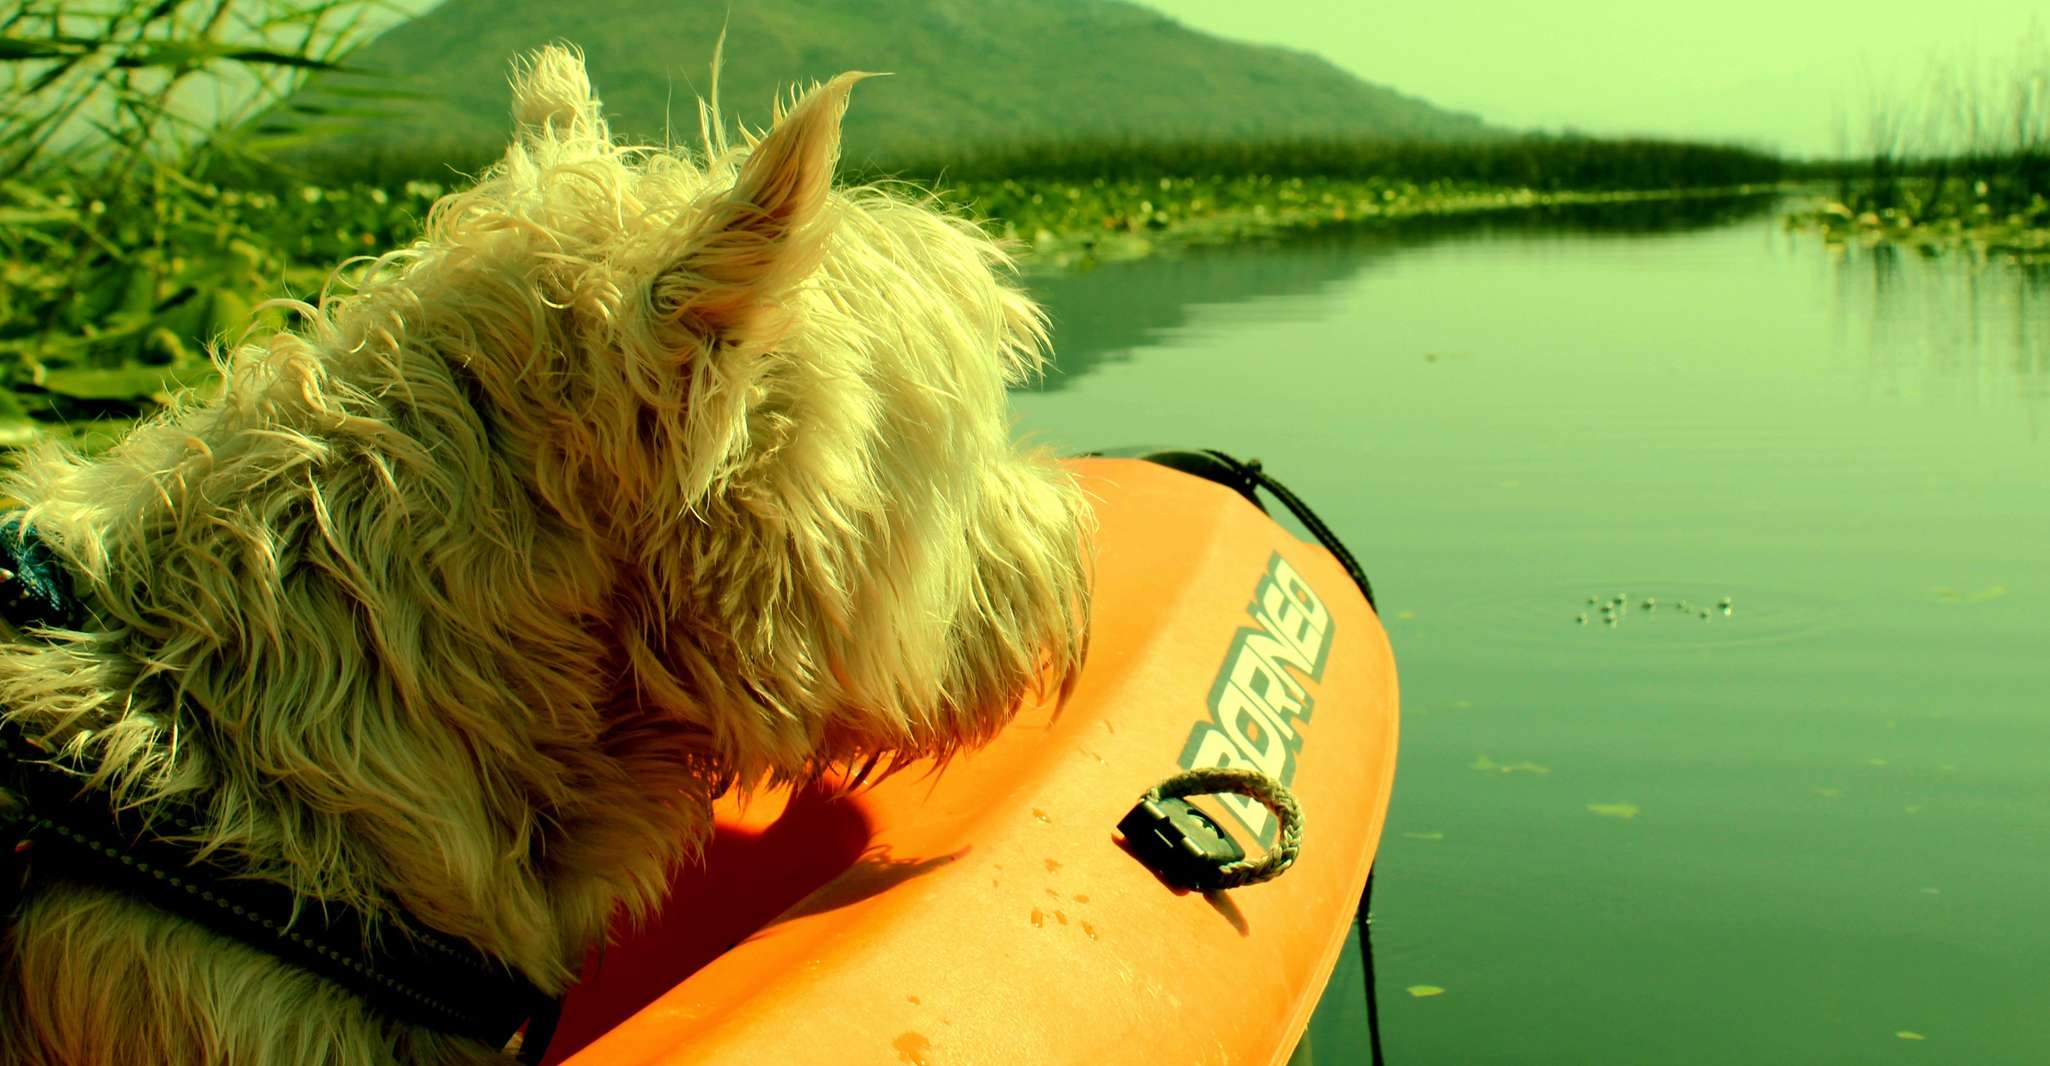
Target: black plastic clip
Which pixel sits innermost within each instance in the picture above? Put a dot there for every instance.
(1176, 840)
(35, 588)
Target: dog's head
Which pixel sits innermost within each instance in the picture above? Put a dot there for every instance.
(784, 406)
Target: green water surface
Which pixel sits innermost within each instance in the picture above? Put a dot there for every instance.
(1813, 829)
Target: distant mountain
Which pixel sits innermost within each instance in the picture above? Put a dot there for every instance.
(968, 73)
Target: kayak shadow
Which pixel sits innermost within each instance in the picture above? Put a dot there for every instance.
(875, 873)
(818, 854)
(1219, 900)
(1223, 904)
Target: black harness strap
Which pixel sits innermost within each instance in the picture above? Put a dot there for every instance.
(35, 590)
(415, 974)
(59, 824)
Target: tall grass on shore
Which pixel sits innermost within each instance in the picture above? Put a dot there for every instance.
(111, 253)
(1066, 197)
(139, 221)
(1538, 162)
(1969, 147)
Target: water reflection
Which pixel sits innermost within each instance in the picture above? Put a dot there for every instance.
(1948, 323)
(1783, 834)
(1102, 316)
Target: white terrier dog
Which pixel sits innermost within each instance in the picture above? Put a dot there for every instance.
(644, 475)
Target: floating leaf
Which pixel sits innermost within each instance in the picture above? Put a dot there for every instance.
(18, 432)
(1614, 810)
(123, 382)
(1950, 595)
(1425, 991)
(42, 48)
(195, 53)
(1487, 765)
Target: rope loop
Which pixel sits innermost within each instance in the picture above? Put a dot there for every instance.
(1272, 794)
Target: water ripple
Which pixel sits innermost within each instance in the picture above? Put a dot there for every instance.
(1641, 613)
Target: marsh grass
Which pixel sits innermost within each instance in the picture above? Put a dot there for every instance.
(115, 262)
(150, 209)
(1536, 162)
(1965, 156)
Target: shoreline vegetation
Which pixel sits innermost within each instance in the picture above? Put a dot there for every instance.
(1962, 162)
(103, 315)
(1135, 219)
(136, 238)
(2022, 237)
(132, 253)
(105, 311)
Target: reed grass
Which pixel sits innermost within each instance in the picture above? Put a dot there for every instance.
(111, 253)
(1962, 157)
(140, 223)
(1537, 162)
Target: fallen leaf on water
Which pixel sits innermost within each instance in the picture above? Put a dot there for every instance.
(1487, 765)
(1614, 810)
(1421, 991)
(1950, 595)
(18, 432)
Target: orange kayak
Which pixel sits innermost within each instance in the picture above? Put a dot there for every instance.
(990, 914)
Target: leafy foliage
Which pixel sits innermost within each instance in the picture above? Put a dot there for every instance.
(139, 228)
(1964, 157)
(115, 264)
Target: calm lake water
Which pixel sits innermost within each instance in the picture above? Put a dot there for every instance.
(1815, 829)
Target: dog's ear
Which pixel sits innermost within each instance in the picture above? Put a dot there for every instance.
(764, 234)
(553, 101)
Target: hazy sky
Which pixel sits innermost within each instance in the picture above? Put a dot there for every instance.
(1770, 72)
(1765, 71)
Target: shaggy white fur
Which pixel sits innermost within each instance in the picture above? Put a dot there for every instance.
(644, 475)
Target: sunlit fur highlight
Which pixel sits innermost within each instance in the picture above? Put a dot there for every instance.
(644, 475)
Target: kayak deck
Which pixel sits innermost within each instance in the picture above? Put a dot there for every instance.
(988, 913)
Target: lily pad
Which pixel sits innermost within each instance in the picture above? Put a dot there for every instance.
(18, 432)
(1487, 765)
(135, 383)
